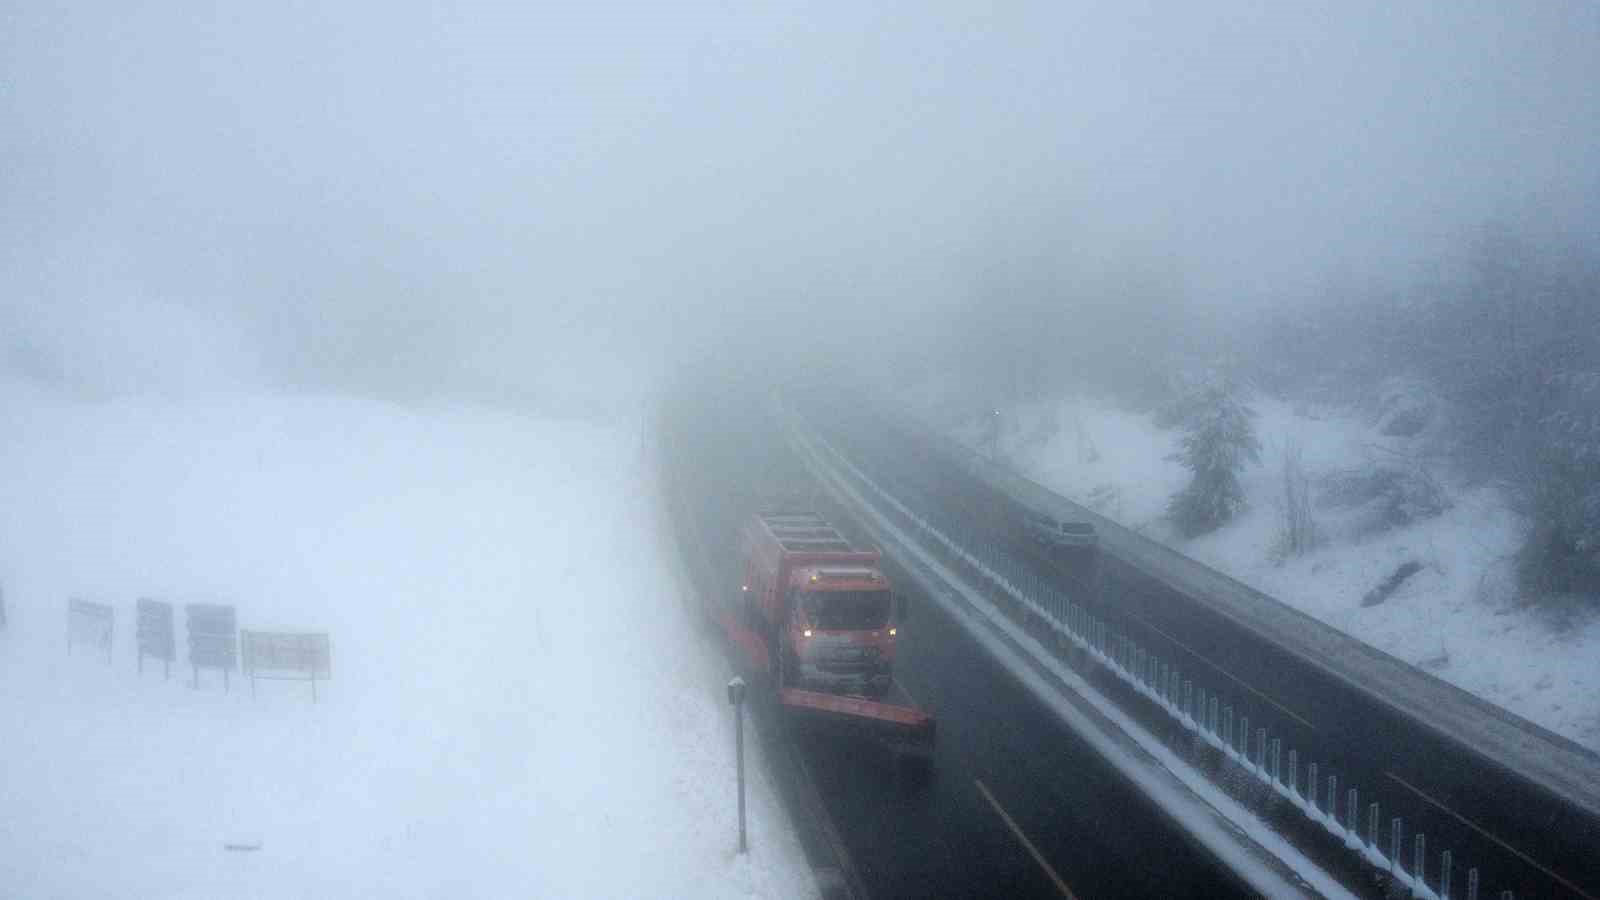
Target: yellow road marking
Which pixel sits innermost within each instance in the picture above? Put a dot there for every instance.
(1480, 830)
(1037, 857)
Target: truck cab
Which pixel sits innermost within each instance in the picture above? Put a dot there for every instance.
(841, 629)
(823, 609)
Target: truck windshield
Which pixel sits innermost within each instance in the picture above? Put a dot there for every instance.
(847, 610)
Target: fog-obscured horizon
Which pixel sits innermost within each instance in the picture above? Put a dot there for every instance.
(549, 204)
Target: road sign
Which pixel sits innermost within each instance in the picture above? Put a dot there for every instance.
(155, 632)
(90, 624)
(284, 656)
(213, 639)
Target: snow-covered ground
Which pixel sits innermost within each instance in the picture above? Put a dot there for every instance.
(1458, 617)
(520, 704)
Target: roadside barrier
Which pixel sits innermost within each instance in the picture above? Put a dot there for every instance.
(1192, 705)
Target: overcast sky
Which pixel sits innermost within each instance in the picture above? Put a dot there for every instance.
(411, 197)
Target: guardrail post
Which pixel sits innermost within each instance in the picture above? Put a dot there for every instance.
(1261, 749)
(1244, 739)
(1213, 716)
(1227, 726)
(1311, 786)
(1352, 811)
(1372, 826)
(1188, 699)
(1472, 884)
(1395, 833)
(1444, 876)
(1277, 747)
(1294, 773)
(1419, 864)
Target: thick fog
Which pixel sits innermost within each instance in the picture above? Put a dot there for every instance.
(543, 202)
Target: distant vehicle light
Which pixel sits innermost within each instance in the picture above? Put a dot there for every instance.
(893, 631)
(807, 632)
(744, 587)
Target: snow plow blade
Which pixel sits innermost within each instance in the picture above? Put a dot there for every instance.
(903, 728)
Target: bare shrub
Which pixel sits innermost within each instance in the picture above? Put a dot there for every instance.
(1391, 491)
(1299, 534)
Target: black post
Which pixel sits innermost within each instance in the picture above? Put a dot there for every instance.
(738, 730)
(736, 697)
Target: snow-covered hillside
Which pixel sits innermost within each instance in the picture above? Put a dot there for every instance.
(1457, 617)
(520, 704)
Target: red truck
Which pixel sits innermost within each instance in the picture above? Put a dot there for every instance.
(821, 617)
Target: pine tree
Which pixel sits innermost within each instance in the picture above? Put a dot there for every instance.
(1562, 552)
(1220, 439)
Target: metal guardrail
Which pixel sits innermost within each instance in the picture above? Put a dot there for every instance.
(1199, 708)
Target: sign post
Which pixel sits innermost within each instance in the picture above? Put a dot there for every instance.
(287, 657)
(89, 623)
(156, 634)
(736, 689)
(213, 639)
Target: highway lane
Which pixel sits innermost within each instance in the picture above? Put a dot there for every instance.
(1530, 843)
(1010, 781)
(1015, 806)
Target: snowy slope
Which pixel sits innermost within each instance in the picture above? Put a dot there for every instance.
(1457, 617)
(520, 704)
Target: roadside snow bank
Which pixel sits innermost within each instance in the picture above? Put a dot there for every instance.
(519, 704)
(1456, 617)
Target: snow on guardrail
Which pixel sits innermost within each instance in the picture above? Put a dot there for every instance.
(1202, 712)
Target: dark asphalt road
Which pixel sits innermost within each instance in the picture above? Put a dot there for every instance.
(1520, 837)
(1016, 805)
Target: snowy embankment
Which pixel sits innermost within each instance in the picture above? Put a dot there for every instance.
(520, 704)
(1457, 617)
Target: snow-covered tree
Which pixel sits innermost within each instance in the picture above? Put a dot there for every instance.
(1562, 553)
(1220, 439)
